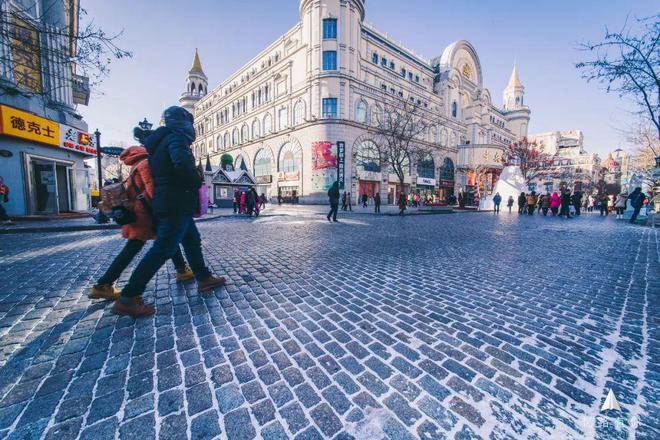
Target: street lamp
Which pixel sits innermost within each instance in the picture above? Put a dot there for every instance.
(145, 125)
(101, 217)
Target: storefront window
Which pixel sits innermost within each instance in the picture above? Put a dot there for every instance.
(426, 168)
(290, 158)
(447, 170)
(240, 164)
(262, 163)
(368, 157)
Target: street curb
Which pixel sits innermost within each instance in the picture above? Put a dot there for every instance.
(93, 227)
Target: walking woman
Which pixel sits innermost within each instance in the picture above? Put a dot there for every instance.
(140, 231)
(522, 200)
(509, 203)
(620, 204)
(402, 203)
(555, 202)
(545, 203)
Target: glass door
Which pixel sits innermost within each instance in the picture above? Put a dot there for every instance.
(44, 193)
(80, 197)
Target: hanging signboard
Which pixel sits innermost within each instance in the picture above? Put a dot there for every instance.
(73, 139)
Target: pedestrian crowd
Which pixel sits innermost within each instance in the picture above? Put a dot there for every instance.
(566, 204)
(248, 202)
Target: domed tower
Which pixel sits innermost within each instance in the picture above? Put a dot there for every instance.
(196, 85)
(515, 110)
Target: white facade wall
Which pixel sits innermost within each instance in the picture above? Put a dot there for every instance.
(288, 80)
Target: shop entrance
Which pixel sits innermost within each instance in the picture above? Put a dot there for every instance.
(368, 187)
(51, 189)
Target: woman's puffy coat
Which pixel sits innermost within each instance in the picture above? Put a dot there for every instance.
(555, 201)
(142, 228)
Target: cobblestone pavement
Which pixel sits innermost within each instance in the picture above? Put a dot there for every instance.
(459, 326)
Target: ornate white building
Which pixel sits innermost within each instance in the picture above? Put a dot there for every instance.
(303, 108)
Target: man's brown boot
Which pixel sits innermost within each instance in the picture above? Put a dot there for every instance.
(209, 283)
(185, 275)
(104, 291)
(134, 307)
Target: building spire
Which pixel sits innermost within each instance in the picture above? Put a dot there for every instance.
(514, 81)
(197, 65)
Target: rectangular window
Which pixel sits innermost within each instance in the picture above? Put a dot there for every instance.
(383, 62)
(329, 28)
(416, 78)
(410, 76)
(403, 73)
(384, 87)
(329, 60)
(330, 107)
(392, 66)
(374, 58)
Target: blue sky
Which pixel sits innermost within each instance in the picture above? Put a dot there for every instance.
(542, 36)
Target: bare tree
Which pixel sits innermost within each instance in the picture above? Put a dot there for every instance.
(647, 145)
(534, 163)
(45, 56)
(629, 63)
(400, 128)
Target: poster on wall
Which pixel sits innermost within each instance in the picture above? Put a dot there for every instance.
(324, 165)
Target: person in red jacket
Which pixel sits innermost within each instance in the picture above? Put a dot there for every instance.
(4, 198)
(138, 232)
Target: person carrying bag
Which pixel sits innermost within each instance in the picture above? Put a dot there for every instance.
(130, 206)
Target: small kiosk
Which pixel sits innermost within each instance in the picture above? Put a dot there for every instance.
(225, 183)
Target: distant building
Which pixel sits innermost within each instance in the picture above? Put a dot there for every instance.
(573, 167)
(43, 139)
(299, 114)
(625, 164)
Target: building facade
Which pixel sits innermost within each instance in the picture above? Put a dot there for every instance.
(43, 140)
(573, 167)
(299, 114)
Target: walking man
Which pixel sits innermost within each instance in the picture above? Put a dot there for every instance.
(176, 187)
(377, 202)
(497, 200)
(333, 197)
(636, 201)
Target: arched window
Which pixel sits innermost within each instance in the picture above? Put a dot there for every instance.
(218, 143)
(268, 124)
(361, 112)
(235, 137)
(245, 133)
(255, 129)
(426, 167)
(240, 163)
(299, 113)
(283, 118)
(290, 158)
(227, 141)
(262, 163)
(368, 157)
(447, 170)
(454, 109)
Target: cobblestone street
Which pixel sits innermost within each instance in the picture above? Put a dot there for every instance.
(460, 326)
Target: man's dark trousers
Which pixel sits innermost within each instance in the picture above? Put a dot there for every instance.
(334, 207)
(169, 233)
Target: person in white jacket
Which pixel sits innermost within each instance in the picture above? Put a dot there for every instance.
(620, 204)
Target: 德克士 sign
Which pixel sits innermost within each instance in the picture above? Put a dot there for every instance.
(20, 124)
(24, 125)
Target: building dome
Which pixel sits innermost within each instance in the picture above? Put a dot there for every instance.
(358, 3)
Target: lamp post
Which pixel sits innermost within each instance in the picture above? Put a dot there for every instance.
(145, 125)
(101, 217)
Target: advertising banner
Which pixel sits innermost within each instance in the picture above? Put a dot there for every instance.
(76, 140)
(324, 165)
